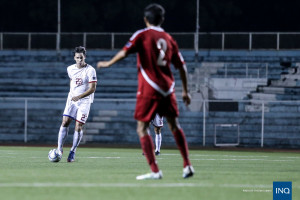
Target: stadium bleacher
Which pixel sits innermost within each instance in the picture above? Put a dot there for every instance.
(42, 74)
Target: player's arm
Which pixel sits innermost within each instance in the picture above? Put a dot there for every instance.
(91, 90)
(185, 92)
(119, 56)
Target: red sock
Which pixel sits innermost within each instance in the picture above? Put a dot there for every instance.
(182, 146)
(148, 149)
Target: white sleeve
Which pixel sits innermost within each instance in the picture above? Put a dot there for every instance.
(92, 75)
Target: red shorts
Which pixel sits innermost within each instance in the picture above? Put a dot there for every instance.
(146, 108)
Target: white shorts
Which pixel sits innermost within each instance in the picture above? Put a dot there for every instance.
(158, 121)
(78, 111)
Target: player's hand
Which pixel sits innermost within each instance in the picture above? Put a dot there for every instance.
(75, 99)
(103, 64)
(186, 97)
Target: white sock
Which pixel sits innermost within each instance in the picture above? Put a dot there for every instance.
(76, 140)
(62, 136)
(158, 138)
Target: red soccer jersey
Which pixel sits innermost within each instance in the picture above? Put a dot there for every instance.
(156, 51)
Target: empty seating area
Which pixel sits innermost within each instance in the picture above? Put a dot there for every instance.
(34, 87)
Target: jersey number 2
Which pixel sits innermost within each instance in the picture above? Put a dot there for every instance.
(162, 47)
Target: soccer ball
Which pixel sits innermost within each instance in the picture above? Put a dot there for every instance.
(54, 155)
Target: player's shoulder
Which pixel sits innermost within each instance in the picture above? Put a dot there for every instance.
(138, 33)
(90, 68)
(70, 67)
(161, 32)
(148, 30)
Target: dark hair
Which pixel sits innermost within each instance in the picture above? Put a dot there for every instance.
(80, 49)
(154, 13)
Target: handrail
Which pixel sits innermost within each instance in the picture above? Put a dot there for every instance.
(205, 104)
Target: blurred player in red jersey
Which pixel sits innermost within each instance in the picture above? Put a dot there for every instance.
(156, 51)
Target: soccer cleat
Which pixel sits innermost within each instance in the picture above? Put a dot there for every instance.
(150, 176)
(157, 153)
(188, 171)
(71, 157)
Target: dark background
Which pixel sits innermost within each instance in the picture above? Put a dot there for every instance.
(127, 15)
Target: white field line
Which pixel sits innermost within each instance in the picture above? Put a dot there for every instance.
(89, 157)
(233, 159)
(291, 157)
(160, 158)
(229, 156)
(207, 155)
(102, 157)
(140, 184)
(243, 187)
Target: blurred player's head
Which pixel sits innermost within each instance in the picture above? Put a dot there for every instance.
(79, 56)
(80, 49)
(154, 14)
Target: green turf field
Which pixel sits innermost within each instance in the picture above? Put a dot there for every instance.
(107, 173)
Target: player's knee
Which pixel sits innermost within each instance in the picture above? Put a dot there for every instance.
(157, 130)
(65, 123)
(79, 126)
(174, 128)
(174, 125)
(142, 129)
(139, 130)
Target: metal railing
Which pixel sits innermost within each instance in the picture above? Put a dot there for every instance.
(259, 123)
(186, 40)
(250, 70)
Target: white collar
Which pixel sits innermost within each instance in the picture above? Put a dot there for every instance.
(157, 28)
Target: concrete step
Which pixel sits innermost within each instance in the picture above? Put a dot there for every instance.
(256, 108)
(273, 97)
(246, 115)
(285, 83)
(278, 90)
(290, 76)
(260, 72)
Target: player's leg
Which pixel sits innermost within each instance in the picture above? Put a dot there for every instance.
(82, 116)
(68, 114)
(63, 132)
(147, 146)
(181, 142)
(158, 138)
(157, 122)
(78, 133)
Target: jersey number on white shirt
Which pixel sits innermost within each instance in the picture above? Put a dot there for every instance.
(79, 81)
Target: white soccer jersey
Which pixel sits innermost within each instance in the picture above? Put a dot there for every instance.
(80, 79)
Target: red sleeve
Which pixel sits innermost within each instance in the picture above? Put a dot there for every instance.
(132, 45)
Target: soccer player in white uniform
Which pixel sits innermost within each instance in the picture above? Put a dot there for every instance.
(158, 123)
(83, 81)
